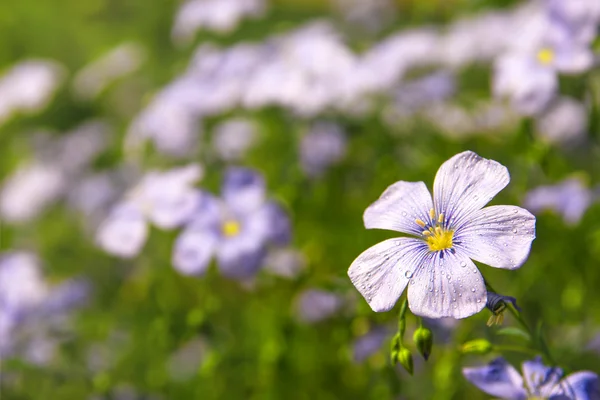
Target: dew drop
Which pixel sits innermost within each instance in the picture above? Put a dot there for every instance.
(473, 290)
(404, 213)
(479, 300)
(463, 264)
(515, 211)
(408, 274)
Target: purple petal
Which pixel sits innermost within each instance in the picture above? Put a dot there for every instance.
(124, 232)
(369, 344)
(499, 379)
(499, 236)
(193, 250)
(241, 256)
(243, 190)
(316, 305)
(399, 207)
(540, 379)
(382, 272)
(583, 385)
(464, 184)
(446, 284)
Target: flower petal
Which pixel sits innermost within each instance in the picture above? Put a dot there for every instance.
(124, 232)
(382, 272)
(243, 190)
(539, 378)
(446, 285)
(499, 236)
(241, 256)
(583, 385)
(400, 205)
(193, 250)
(499, 379)
(464, 184)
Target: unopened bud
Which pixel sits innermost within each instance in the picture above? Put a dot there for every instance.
(423, 338)
(404, 357)
(477, 346)
(497, 305)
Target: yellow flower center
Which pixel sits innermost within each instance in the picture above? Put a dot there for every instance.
(230, 228)
(437, 236)
(545, 56)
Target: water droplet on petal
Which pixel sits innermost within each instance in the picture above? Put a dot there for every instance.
(514, 230)
(404, 213)
(408, 274)
(473, 290)
(463, 264)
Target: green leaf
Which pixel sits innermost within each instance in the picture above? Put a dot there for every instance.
(514, 332)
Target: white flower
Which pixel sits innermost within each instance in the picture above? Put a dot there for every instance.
(448, 231)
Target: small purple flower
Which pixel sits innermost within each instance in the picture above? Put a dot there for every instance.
(447, 232)
(315, 305)
(236, 229)
(167, 199)
(370, 343)
(570, 198)
(322, 147)
(502, 380)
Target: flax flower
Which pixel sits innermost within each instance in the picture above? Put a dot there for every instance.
(447, 233)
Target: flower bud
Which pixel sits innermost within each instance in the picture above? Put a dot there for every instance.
(497, 305)
(423, 338)
(477, 346)
(404, 357)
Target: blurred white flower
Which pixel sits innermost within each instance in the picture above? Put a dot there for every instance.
(28, 87)
(314, 305)
(167, 199)
(565, 122)
(233, 138)
(38, 183)
(570, 198)
(321, 147)
(221, 16)
(119, 62)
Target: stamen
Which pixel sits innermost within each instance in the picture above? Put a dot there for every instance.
(426, 233)
(438, 231)
(441, 218)
(432, 214)
(420, 223)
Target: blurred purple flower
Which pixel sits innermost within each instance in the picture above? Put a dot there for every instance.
(322, 147)
(578, 18)
(284, 262)
(28, 86)
(30, 309)
(314, 305)
(233, 138)
(370, 343)
(166, 199)
(565, 122)
(237, 229)
(570, 199)
(502, 380)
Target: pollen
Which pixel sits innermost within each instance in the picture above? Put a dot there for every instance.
(545, 56)
(439, 239)
(230, 228)
(436, 235)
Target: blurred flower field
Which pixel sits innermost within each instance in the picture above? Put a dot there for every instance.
(189, 189)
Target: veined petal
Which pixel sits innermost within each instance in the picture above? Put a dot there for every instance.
(447, 284)
(464, 184)
(382, 271)
(399, 207)
(583, 385)
(499, 379)
(499, 236)
(539, 378)
(193, 250)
